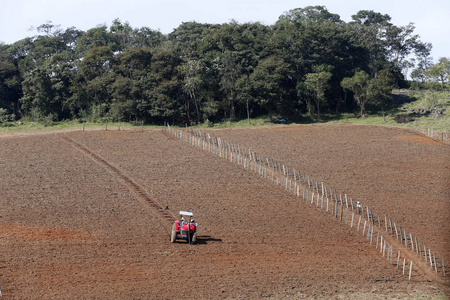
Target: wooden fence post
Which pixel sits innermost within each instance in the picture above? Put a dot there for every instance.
(364, 227)
(417, 246)
(392, 252)
(420, 248)
(429, 255)
(443, 266)
(371, 236)
(410, 270)
(435, 264)
(401, 234)
(425, 252)
(335, 196)
(404, 263)
(335, 210)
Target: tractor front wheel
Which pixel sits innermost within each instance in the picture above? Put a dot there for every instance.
(173, 237)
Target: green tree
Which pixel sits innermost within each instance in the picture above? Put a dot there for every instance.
(368, 29)
(166, 94)
(244, 95)
(267, 83)
(387, 46)
(358, 84)
(318, 83)
(98, 76)
(419, 74)
(192, 84)
(129, 90)
(38, 94)
(10, 82)
(312, 36)
(439, 72)
(230, 71)
(94, 37)
(379, 90)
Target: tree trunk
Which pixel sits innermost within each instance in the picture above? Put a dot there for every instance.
(197, 111)
(318, 109)
(248, 113)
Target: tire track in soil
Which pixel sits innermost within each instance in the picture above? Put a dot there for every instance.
(164, 217)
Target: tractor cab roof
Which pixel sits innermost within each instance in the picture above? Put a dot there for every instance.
(186, 213)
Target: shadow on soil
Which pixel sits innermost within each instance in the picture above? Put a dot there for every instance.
(204, 239)
(201, 240)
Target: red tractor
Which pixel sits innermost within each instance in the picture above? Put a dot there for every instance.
(184, 229)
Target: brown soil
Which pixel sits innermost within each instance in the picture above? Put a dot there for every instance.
(83, 215)
(397, 172)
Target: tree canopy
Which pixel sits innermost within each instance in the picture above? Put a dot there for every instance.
(210, 72)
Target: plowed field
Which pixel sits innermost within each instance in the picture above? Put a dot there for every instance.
(83, 215)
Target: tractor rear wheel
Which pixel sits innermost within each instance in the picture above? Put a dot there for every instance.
(173, 237)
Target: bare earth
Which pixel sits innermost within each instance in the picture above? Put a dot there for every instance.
(81, 215)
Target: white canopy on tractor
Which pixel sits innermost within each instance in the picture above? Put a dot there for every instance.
(186, 213)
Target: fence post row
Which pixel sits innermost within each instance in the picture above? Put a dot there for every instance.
(242, 156)
(442, 136)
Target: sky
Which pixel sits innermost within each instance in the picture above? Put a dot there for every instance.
(431, 18)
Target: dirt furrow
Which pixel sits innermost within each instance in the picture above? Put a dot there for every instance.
(165, 218)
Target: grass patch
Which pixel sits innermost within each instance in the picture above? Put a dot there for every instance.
(260, 121)
(422, 110)
(72, 125)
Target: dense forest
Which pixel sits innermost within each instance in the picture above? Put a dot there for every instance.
(308, 63)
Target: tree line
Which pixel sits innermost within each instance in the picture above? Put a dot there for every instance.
(307, 63)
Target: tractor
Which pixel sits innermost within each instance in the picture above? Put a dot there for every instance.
(184, 229)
